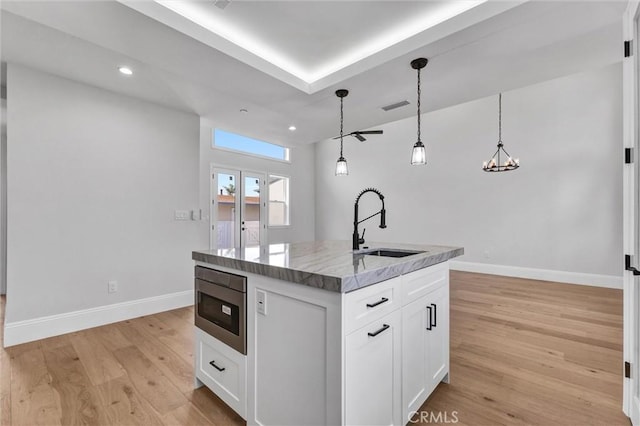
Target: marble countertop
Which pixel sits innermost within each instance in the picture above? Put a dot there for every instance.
(329, 265)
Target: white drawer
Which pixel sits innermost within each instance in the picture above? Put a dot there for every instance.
(423, 281)
(223, 370)
(371, 303)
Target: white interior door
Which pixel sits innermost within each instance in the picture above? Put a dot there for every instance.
(238, 208)
(631, 215)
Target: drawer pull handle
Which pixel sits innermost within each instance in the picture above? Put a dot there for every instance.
(379, 302)
(435, 315)
(429, 326)
(213, 364)
(375, 333)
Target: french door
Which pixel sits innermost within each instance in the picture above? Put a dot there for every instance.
(238, 208)
(631, 213)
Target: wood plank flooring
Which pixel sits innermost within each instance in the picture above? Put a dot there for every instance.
(136, 372)
(531, 352)
(522, 352)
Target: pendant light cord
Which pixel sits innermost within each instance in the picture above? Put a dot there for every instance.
(419, 93)
(341, 124)
(500, 118)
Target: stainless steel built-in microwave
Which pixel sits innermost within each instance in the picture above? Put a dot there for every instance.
(221, 306)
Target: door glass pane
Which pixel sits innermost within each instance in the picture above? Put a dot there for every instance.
(251, 211)
(226, 205)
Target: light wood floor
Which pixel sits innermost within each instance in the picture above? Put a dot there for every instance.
(522, 352)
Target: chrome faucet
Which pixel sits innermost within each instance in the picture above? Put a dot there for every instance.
(357, 239)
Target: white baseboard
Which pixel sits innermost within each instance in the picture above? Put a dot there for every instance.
(608, 281)
(55, 325)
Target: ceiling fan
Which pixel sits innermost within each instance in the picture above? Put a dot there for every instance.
(358, 134)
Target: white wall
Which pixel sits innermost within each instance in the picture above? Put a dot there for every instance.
(561, 211)
(300, 171)
(93, 181)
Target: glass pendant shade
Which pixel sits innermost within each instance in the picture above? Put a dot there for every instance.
(341, 167)
(418, 155)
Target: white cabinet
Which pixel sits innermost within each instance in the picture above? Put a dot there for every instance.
(317, 357)
(415, 359)
(294, 344)
(373, 373)
(425, 343)
(223, 370)
(438, 337)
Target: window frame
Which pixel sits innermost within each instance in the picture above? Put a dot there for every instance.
(288, 201)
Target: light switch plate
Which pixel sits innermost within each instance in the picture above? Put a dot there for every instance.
(182, 215)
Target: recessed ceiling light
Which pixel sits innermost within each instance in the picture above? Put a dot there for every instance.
(125, 70)
(292, 128)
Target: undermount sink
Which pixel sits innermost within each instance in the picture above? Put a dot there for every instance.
(385, 252)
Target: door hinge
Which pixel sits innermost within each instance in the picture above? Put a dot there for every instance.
(627, 265)
(628, 155)
(627, 369)
(213, 227)
(627, 48)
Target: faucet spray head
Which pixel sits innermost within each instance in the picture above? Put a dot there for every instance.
(383, 218)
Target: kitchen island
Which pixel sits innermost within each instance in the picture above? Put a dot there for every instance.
(333, 336)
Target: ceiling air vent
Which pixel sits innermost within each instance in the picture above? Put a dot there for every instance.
(396, 105)
(221, 3)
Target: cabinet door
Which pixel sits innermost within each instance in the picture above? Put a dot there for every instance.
(415, 355)
(438, 336)
(425, 347)
(373, 373)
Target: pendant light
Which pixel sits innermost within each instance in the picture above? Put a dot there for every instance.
(419, 155)
(495, 165)
(341, 164)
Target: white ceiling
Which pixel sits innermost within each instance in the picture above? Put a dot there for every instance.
(496, 46)
(313, 44)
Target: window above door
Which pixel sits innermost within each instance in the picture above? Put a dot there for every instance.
(246, 145)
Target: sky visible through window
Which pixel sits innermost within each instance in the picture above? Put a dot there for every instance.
(241, 143)
(228, 186)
